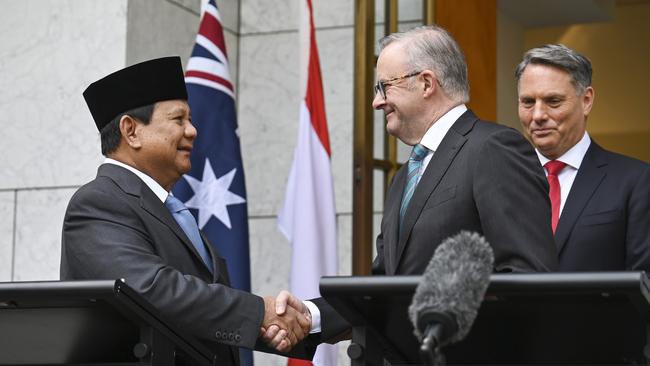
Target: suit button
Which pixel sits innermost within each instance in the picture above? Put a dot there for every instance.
(231, 337)
(237, 338)
(217, 334)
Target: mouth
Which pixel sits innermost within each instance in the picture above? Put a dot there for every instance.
(187, 149)
(542, 132)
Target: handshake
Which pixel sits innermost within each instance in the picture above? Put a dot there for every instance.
(287, 321)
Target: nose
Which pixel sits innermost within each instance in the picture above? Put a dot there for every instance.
(378, 102)
(539, 112)
(190, 131)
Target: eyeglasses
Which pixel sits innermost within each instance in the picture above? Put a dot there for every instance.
(380, 87)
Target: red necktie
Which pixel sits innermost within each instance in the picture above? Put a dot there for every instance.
(554, 167)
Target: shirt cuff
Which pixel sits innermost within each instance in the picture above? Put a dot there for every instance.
(315, 316)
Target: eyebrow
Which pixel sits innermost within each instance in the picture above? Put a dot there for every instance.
(177, 111)
(555, 95)
(545, 96)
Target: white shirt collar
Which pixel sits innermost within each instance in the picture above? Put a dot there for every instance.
(573, 157)
(434, 135)
(157, 189)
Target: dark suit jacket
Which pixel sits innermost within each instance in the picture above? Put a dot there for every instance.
(605, 223)
(116, 227)
(484, 178)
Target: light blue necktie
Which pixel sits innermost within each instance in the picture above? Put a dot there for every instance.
(187, 222)
(414, 166)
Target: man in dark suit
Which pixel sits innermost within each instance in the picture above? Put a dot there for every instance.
(601, 200)
(472, 175)
(125, 224)
(463, 174)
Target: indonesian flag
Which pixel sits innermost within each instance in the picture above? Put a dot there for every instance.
(308, 218)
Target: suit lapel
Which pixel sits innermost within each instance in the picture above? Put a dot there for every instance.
(131, 184)
(589, 177)
(220, 267)
(442, 158)
(391, 231)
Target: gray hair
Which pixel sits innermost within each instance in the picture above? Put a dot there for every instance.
(433, 48)
(562, 57)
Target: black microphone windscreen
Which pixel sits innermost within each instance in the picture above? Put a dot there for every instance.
(454, 283)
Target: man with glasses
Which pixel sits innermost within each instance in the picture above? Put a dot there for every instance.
(463, 173)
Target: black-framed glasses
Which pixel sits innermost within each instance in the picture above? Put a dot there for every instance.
(380, 87)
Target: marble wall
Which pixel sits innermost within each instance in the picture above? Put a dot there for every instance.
(8, 217)
(49, 51)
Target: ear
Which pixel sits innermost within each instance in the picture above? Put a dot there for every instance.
(588, 100)
(130, 130)
(430, 83)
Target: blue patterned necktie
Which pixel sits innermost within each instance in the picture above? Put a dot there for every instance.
(187, 222)
(414, 166)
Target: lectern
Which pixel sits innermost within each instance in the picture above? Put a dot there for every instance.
(89, 323)
(598, 318)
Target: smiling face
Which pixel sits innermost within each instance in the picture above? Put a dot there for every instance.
(165, 142)
(552, 113)
(403, 106)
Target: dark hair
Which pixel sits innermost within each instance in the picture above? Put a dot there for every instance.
(557, 55)
(110, 134)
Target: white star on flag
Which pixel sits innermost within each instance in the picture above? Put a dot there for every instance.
(211, 195)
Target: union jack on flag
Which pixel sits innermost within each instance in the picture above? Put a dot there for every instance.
(214, 190)
(208, 65)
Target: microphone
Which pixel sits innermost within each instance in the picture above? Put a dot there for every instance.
(450, 291)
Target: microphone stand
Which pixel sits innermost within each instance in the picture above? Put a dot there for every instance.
(429, 351)
(438, 328)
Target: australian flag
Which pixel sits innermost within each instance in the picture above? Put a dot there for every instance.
(214, 189)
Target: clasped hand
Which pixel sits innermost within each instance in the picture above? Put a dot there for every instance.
(286, 321)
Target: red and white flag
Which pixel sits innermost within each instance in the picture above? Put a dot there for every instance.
(308, 218)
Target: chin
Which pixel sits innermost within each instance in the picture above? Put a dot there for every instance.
(185, 168)
(392, 129)
(544, 143)
(548, 150)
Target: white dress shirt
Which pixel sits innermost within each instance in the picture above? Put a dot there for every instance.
(434, 135)
(573, 159)
(157, 189)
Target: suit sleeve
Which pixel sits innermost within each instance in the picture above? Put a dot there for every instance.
(104, 238)
(638, 230)
(511, 195)
(334, 327)
(378, 265)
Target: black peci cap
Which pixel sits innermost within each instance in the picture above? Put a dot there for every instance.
(135, 86)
